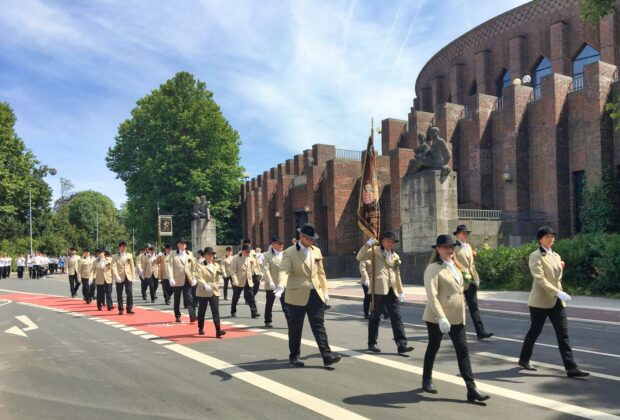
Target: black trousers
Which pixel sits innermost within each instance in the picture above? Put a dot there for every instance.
(167, 289)
(153, 288)
(471, 296)
(104, 293)
(74, 284)
(459, 341)
(270, 297)
(86, 290)
(36, 271)
(186, 291)
(144, 285)
(256, 280)
(203, 303)
(248, 295)
(20, 272)
(226, 281)
(315, 309)
(128, 287)
(93, 289)
(368, 300)
(392, 304)
(31, 272)
(557, 315)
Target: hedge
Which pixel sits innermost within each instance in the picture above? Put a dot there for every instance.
(592, 265)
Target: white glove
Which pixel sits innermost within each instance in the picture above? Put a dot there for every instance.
(141, 272)
(172, 282)
(326, 297)
(194, 282)
(117, 279)
(208, 288)
(278, 292)
(370, 242)
(272, 285)
(401, 297)
(444, 325)
(563, 296)
(367, 283)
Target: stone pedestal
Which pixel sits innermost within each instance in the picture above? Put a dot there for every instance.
(429, 208)
(203, 234)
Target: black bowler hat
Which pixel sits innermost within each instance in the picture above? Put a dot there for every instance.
(245, 247)
(461, 228)
(308, 230)
(182, 240)
(247, 241)
(389, 235)
(167, 246)
(208, 250)
(277, 239)
(444, 240)
(122, 243)
(544, 231)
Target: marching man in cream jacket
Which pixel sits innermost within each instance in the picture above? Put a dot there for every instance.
(547, 299)
(124, 274)
(181, 266)
(389, 291)
(208, 276)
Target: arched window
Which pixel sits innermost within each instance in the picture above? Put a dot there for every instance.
(587, 55)
(503, 81)
(542, 69)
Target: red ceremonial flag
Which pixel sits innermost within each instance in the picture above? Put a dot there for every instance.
(368, 210)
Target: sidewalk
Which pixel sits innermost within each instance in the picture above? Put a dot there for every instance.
(582, 307)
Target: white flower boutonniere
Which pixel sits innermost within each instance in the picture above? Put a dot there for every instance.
(396, 261)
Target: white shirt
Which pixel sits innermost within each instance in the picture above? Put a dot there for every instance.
(20, 262)
(548, 251)
(454, 270)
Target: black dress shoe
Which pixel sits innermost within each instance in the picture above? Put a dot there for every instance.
(374, 348)
(474, 395)
(576, 373)
(192, 319)
(256, 316)
(201, 332)
(219, 334)
(177, 319)
(167, 302)
(296, 362)
(233, 314)
(427, 386)
(485, 335)
(268, 325)
(331, 359)
(405, 349)
(129, 311)
(527, 365)
(120, 312)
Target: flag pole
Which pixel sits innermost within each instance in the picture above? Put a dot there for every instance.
(372, 248)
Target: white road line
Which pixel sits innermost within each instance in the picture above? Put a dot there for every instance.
(483, 386)
(515, 360)
(149, 336)
(598, 353)
(138, 332)
(293, 395)
(128, 328)
(163, 341)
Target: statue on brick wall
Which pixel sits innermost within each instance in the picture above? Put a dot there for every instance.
(201, 208)
(432, 153)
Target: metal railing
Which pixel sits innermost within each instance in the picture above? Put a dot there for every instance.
(345, 154)
(480, 214)
(499, 104)
(577, 83)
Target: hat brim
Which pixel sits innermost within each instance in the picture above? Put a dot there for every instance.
(453, 245)
(391, 239)
(456, 232)
(314, 238)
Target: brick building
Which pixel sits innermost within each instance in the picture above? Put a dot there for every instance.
(523, 152)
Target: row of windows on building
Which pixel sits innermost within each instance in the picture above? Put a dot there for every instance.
(586, 55)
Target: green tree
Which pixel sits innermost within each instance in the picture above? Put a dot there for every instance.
(76, 221)
(599, 213)
(20, 173)
(594, 10)
(177, 145)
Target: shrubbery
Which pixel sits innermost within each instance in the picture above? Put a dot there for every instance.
(592, 265)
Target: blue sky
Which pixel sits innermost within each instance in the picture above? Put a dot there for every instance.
(287, 74)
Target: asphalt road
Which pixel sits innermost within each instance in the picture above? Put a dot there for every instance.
(84, 364)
